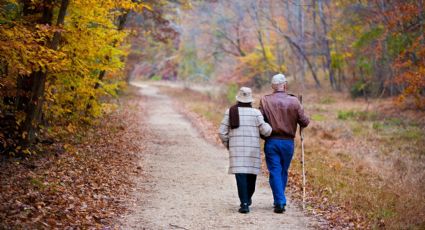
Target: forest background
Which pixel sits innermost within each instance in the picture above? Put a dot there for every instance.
(359, 64)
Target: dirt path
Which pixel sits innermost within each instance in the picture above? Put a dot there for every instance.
(188, 186)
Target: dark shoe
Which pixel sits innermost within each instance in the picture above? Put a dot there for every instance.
(249, 203)
(244, 208)
(279, 208)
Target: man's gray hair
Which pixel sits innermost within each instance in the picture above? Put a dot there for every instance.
(279, 79)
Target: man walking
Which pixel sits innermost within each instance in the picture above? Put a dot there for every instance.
(283, 112)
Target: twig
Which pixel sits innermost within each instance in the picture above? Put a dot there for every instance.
(302, 156)
(176, 226)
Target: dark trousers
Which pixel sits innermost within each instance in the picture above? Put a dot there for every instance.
(246, 186)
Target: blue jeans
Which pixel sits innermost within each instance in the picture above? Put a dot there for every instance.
(279, 154)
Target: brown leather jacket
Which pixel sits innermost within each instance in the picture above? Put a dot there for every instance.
(283, 112)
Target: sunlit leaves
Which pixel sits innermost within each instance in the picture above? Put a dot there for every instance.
(257, 63)
(84, 69)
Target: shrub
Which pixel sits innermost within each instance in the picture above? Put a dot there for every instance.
(232, 90)
(359, 89)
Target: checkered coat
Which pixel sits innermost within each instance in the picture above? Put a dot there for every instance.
(244, 142)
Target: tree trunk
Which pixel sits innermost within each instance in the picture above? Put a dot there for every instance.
(35, 105)
(121, 20)
(301, 40)
(326, 46)
(300, 51)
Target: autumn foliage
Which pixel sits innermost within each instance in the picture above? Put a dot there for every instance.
(393, 37)
(59, 60)
(370, 49)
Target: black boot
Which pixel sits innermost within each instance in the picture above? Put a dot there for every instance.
(244, 208)
(279, 208)
(249, 203)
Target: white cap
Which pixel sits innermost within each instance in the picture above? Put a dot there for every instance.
(278, 79)
(244, 95)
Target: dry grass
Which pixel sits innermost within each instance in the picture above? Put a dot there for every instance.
(365, 161)
(203, 104)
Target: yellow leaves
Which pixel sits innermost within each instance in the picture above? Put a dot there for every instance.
(27, 151)
(139, 7)
(108, 108)
(71, 128)
(282, 68)
(90, 43)
(337, 166)
(260, 61)
(69, 148)
(93, 44)
(25, 51)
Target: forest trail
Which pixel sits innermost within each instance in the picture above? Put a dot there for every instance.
(187, 185)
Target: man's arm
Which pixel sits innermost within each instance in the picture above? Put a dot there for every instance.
(261, 108)
(303, 120)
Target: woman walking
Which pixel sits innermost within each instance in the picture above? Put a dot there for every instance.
(240, 132)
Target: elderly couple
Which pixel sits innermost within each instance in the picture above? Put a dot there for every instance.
(276, 122)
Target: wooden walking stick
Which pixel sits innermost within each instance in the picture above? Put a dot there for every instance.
(302, 155)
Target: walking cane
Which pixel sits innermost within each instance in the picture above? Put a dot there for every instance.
(302, 155)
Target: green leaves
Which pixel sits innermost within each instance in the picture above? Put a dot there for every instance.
(397, 44)
(368, 37)
(9, 10)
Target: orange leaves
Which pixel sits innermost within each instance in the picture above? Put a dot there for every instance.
(394, 38)
(410, 65)
(415, 81)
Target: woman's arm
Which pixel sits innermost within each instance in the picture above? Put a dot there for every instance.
(265, 128)
(223, 131)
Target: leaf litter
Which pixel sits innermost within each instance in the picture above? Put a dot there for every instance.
(74, 184)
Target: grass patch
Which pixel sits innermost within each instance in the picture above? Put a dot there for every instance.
(395, 129)
(318, 117)
(394, 121)
(327, 100)
(378, 126)
(156, 78)
(357, 115)
(411, 134)
(345, 115)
